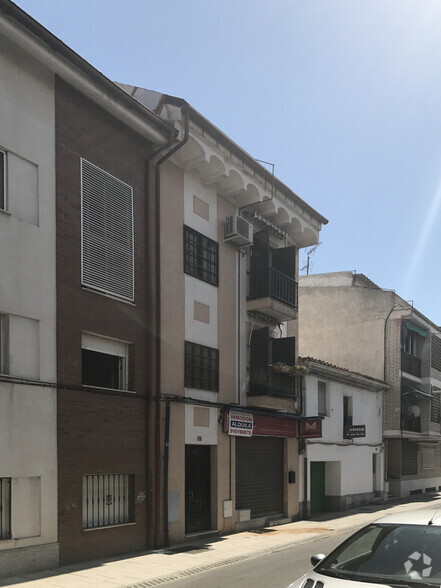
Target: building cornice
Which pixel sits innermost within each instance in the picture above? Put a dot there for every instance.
(327, 370)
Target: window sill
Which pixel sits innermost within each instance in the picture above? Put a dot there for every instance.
(109, 527)
(108, 390)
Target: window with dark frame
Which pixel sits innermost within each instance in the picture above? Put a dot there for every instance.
(2, 180)
(108, 500)
(201, 256)
(347, 411)
(102, 370)
(5, 508)
(201, 367)
(321, 398)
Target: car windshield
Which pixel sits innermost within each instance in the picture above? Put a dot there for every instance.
(392, 554)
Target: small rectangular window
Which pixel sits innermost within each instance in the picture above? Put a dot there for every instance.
(347, 411)
(104, 362)
(5, 508)
(108, 499)
(201, 256)
(322, 399)
(201, 367)
(2, 180)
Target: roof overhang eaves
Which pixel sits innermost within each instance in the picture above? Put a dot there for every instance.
(345, 376)
(220, 136)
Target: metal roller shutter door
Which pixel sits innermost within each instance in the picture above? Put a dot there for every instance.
(259, 475)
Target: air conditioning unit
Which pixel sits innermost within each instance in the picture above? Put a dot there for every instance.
(238, 230)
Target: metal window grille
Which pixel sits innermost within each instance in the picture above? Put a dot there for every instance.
(436, 353)
(108, 499)
(201, 256)
(5, 508)
(201, 367)
(435, 409)
(107, 232)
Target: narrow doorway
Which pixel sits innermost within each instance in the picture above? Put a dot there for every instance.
(317, 486)
(197, 488)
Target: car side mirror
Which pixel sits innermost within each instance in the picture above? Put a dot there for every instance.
(315, 559)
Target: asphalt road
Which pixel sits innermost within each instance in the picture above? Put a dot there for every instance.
(275, 570)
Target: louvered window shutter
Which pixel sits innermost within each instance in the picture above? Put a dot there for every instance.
(107, 232)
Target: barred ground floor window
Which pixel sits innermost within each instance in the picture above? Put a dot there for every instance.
(108, 499)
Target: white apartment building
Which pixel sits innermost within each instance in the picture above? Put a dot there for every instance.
(28, 440)
(343, 467)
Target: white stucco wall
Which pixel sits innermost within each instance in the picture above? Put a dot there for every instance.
(349, 469)
(197, 331)
(27, 298)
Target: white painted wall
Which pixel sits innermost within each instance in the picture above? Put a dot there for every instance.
(348, 461)
(27, 296)
(195, 435)
(197, 331)
(193, 186)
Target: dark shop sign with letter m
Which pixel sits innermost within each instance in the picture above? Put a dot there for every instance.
(352, 431)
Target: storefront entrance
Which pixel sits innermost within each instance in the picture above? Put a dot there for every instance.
(259, 475)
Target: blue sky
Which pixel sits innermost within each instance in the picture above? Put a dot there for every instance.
(343, 96)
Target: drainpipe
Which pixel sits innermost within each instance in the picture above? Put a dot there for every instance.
(165, 485)
(158, 362)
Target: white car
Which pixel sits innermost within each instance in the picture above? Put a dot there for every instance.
(397, 550)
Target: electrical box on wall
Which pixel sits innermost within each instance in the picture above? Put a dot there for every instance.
(228, 509)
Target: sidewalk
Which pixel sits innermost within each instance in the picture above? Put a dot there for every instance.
(159, 567)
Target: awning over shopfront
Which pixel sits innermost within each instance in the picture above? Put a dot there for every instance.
(246, 424)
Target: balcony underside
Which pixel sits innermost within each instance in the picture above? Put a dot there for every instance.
(272, 308)
(273, 402)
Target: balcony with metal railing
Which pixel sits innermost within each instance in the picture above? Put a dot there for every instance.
(273, 293)
(411, 364)
(264, 381)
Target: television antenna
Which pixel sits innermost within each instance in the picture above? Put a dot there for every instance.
(309, 253)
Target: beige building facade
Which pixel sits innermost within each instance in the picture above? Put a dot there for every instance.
(349, 321)
(227, 234)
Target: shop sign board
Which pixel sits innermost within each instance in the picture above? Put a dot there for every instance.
(353, 431)
(311, 428)
(240, 424)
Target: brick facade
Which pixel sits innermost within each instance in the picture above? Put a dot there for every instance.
(99, 432)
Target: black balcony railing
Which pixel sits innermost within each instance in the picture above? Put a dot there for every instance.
(410, 423)
(264, 381)
(270, 282)
(411, 364)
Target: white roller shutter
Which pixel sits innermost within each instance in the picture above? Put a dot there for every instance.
(107, 232)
